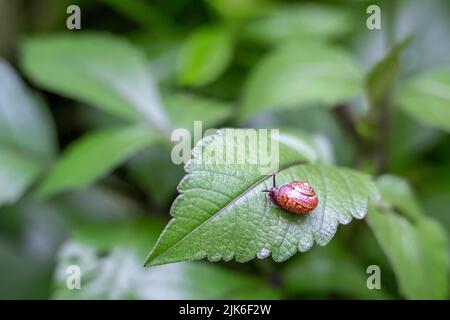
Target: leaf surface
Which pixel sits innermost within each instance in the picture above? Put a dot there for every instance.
(184, 108)
(296, 75)
(16, 174)
(418, 253)
(426, 98)
(204, 56)
(222, 213)
(94, 155)
(415, 245)
(289, 22)
(25, 123)
(27, 138)
(97, 69)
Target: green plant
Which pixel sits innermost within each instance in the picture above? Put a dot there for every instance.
(360, 136)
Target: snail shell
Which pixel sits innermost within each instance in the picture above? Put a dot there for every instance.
(296, 197)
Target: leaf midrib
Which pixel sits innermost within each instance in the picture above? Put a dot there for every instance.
(232, 202)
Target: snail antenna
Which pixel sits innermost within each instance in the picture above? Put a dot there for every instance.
(274, 184)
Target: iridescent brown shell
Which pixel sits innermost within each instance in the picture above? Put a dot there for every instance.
(296, 197)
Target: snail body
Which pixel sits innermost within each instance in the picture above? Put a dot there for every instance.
(295, 197)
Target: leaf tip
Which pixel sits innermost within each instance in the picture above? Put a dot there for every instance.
(149, 261)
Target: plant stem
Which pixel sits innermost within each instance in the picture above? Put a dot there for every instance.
(347, 123)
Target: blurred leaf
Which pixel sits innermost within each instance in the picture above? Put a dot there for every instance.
(23, 117)
(296, 75)
(98, 69)
(364, 246)
(382, 76)
(94, 155)
(183, 109)
(109, 257)
(26, 136)
(204, 56)
(314, 147)
(417, 251)
(427, 99)
(294, 22)
(222, 213)
(415, 245)
(316, 272)
(429, 22)
(16, 174)
(162, 56)
(398, 194)
(317, 122)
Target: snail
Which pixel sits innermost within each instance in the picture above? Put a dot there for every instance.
(295, 197)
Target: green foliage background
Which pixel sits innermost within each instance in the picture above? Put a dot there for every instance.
(86, 176)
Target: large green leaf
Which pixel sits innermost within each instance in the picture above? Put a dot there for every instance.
(110, 258)
(295, 75)
(25, 123)
(26, 136)
(17, 172)
(97, 69)
(222, 213)
(418, 253)
(205, 55)
(415, 245)
(94, 155)
(427, 99)
(329, 270)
